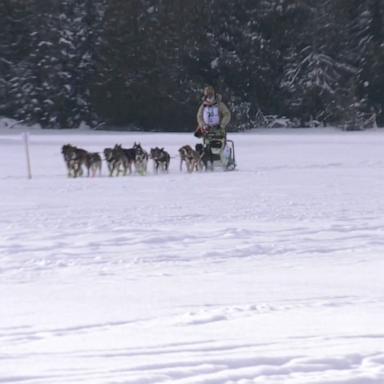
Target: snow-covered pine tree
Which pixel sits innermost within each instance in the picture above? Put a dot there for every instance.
(121, 62)
(317, 69)
(241, 59)
(146, 63)
(367, 37)
(51, 85)
(15, 17)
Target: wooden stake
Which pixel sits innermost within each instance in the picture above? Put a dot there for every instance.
(26, 145)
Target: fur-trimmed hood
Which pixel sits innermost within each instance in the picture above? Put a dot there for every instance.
(218, 99)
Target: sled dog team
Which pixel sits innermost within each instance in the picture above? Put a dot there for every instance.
(213, 116)
(123, 161)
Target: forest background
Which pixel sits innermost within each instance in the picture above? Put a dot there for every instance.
(143, 63)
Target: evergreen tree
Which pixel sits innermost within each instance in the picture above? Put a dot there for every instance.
(15, 17)
(317, 72)
(64, 62)
(239, 59)
(51, 82)
(369, 38)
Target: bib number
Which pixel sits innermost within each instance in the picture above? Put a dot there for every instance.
(211, 116)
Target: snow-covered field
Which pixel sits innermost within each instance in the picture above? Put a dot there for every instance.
(270, 274)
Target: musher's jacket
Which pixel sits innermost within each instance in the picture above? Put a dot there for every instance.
(224, 114)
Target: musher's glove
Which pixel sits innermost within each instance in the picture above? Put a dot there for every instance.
(199, 132)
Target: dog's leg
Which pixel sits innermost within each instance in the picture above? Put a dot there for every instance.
(73, 171)
(79, 168)
(190, 165)
(146, 165)
(76, 168)
(116, 167)
(68, 168)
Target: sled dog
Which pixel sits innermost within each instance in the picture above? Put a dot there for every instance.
(190, 157)
(75, 158)
(119, 161)
(206, 156)
(161, 159)
(93, 163)
(109, 159)
(141, 159)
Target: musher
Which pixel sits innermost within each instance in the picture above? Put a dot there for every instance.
(213, 115)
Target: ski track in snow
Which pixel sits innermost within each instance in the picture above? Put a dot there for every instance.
(270, 274)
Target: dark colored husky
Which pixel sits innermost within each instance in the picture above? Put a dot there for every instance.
(77, 158)
(206, 156)
(119, 161)
(93, 163)
(109, 159)
(122, 159)
(130, 154)
(141, 159)
(67, 153)
(161, 159)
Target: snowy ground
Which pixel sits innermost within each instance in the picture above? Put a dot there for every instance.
(271, 274)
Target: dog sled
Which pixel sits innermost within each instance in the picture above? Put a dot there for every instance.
(217, 150)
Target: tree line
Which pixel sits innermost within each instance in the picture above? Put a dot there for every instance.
(145, 62)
